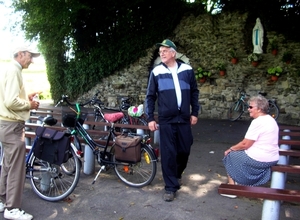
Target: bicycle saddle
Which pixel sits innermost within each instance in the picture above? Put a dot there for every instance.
(113, 117)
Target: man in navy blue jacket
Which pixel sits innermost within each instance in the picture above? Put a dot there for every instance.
(174, 86)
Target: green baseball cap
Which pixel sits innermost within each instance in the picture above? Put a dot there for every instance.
(167, 43)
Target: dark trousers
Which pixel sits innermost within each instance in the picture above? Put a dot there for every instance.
(175, 147)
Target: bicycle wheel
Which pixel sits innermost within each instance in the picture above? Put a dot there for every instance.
(273, 109)
(139, 174)
(235, 111)
(52, 182)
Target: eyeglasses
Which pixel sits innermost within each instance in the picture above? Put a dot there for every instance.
(163, 51)
(251, 107)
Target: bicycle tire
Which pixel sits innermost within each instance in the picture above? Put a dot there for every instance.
(235, 111)
(53, 182)
(138, 174)
(273, 109)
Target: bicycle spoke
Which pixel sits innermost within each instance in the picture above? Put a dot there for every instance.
(52, 182)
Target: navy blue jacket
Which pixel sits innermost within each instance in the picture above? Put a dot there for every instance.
(161, 87)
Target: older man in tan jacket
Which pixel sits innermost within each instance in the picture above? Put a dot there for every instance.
(15, 105)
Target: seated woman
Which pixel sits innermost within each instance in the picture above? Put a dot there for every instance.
(249, 162)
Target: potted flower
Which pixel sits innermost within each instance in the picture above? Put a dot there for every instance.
(287, 57)
(233, 56)
(275, 72)
(202, 74)
(222, 68)
(274, 46)
(254, 58)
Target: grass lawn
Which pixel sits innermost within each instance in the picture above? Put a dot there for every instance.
(35, 79)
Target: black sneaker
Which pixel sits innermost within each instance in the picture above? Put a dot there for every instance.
(169, 196)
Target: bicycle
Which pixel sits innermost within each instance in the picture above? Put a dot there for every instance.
(125, 103)
(135, 174)
(239, 107)
(52, 182)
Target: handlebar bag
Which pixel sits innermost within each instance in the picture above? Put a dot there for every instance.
(128, 148)
(51, 145)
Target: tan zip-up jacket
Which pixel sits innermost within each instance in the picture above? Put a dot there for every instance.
(14, 102)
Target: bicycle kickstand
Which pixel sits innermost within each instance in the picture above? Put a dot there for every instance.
(102, 168)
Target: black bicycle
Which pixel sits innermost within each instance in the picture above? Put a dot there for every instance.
(52, 182)
(136, 174)
(239, 107)
(124, 104)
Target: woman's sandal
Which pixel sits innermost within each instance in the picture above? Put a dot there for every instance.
(230, 196)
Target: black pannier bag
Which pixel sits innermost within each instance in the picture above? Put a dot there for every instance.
(128, 148)
(52, 146)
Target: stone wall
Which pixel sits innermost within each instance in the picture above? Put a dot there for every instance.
(205, 40)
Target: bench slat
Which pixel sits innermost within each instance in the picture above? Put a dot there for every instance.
(98, 141)
(289, 127)
(260, 192)
(292, 133)
(289, 142)
(286, 168)
(293, 153)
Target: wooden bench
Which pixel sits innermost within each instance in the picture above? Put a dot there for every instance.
(289, 135)
(272, 195)
(260, 192)
(277, 168)
(96, 134)
(277, 192)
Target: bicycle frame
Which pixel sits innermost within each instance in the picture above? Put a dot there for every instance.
(136, 174)
(236, 110)
(125, 103)
(91, 143)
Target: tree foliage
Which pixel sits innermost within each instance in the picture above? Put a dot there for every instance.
(84, 40)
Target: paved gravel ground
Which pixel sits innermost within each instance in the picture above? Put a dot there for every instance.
(198, 198)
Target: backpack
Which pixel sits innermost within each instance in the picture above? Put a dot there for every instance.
(51, 145)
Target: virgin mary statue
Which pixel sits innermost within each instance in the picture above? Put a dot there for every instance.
(257, 37)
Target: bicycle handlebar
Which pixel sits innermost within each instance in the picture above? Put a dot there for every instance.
(93, 101)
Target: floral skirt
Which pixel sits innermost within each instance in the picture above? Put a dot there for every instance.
(246, 171)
